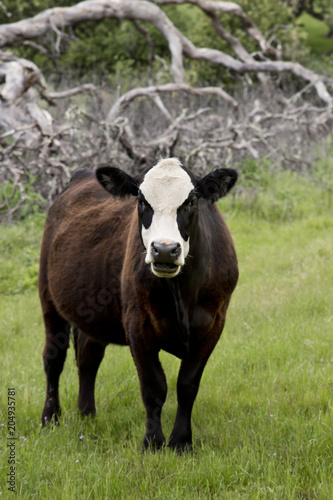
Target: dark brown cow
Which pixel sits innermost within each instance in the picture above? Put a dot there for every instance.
(146, 261)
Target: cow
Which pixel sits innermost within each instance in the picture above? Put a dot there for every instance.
(145, 261)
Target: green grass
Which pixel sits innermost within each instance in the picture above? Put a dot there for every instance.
(262, 421)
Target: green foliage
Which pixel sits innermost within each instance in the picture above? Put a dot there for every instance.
(262, 421)
(114, 47)
(256, 173)
(272, 17)
(110, 46)
(11, 196)
(316, 31)
(319, 9)
(19, 256)
(16, 11)
(103, 45)
(322, 170)
(267, 193)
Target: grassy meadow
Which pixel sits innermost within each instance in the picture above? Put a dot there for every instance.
(262, 421)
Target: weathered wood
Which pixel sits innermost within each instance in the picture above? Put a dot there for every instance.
(58, 18)
(36, 143)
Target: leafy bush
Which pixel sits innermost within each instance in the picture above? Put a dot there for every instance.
(19, 256)
(21, 200)
(274, 195)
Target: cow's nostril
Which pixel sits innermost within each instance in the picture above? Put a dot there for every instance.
(176, 250)
(165, 252)
(154, 249)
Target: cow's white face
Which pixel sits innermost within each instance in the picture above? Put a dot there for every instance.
(166, 199)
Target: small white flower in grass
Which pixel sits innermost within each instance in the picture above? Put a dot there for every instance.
(230, 421)
(77, 461)
(81, 437)
(2, 425)
(271, 415)
(274, 454)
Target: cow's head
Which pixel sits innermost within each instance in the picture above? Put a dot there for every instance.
(167, 196)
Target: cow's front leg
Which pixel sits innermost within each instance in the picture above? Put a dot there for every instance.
(153, 391)
(189, 377)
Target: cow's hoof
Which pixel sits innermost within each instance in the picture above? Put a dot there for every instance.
(87, 412)
(51, 413)
(181, 447)
(50, 419)
(151, 443)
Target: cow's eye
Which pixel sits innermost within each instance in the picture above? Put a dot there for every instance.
(192, 202)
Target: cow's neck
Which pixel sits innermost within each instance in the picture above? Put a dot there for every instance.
(182, 313)
(186, 286)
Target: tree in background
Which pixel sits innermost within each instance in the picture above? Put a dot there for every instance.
(216, 87)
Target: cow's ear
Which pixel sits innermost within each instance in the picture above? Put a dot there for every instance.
(216, 184)
(117, 182)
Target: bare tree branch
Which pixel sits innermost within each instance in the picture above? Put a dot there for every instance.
(125, 99)
(179, 45)
(212, 8)
(205, 126)
(87, 87)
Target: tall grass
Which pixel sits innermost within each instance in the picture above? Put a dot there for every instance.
(262, 422)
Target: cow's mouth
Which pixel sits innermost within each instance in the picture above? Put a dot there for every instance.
(165, 268)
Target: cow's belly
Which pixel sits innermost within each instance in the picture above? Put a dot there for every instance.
(87, 294)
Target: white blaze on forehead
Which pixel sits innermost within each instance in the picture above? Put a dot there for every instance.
(165, 187)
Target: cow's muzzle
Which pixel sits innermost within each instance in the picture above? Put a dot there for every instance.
(164, 258)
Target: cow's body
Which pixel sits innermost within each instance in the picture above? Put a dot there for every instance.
(96, 275)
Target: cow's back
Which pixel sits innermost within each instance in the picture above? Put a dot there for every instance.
(82, 254)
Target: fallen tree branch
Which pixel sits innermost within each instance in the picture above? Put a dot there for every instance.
(205, 127)
(87, 87)
(121, 104)
(18, 129)
(179, 45)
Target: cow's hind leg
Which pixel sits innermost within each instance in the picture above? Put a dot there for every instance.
(89, 356)
(57, 339)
